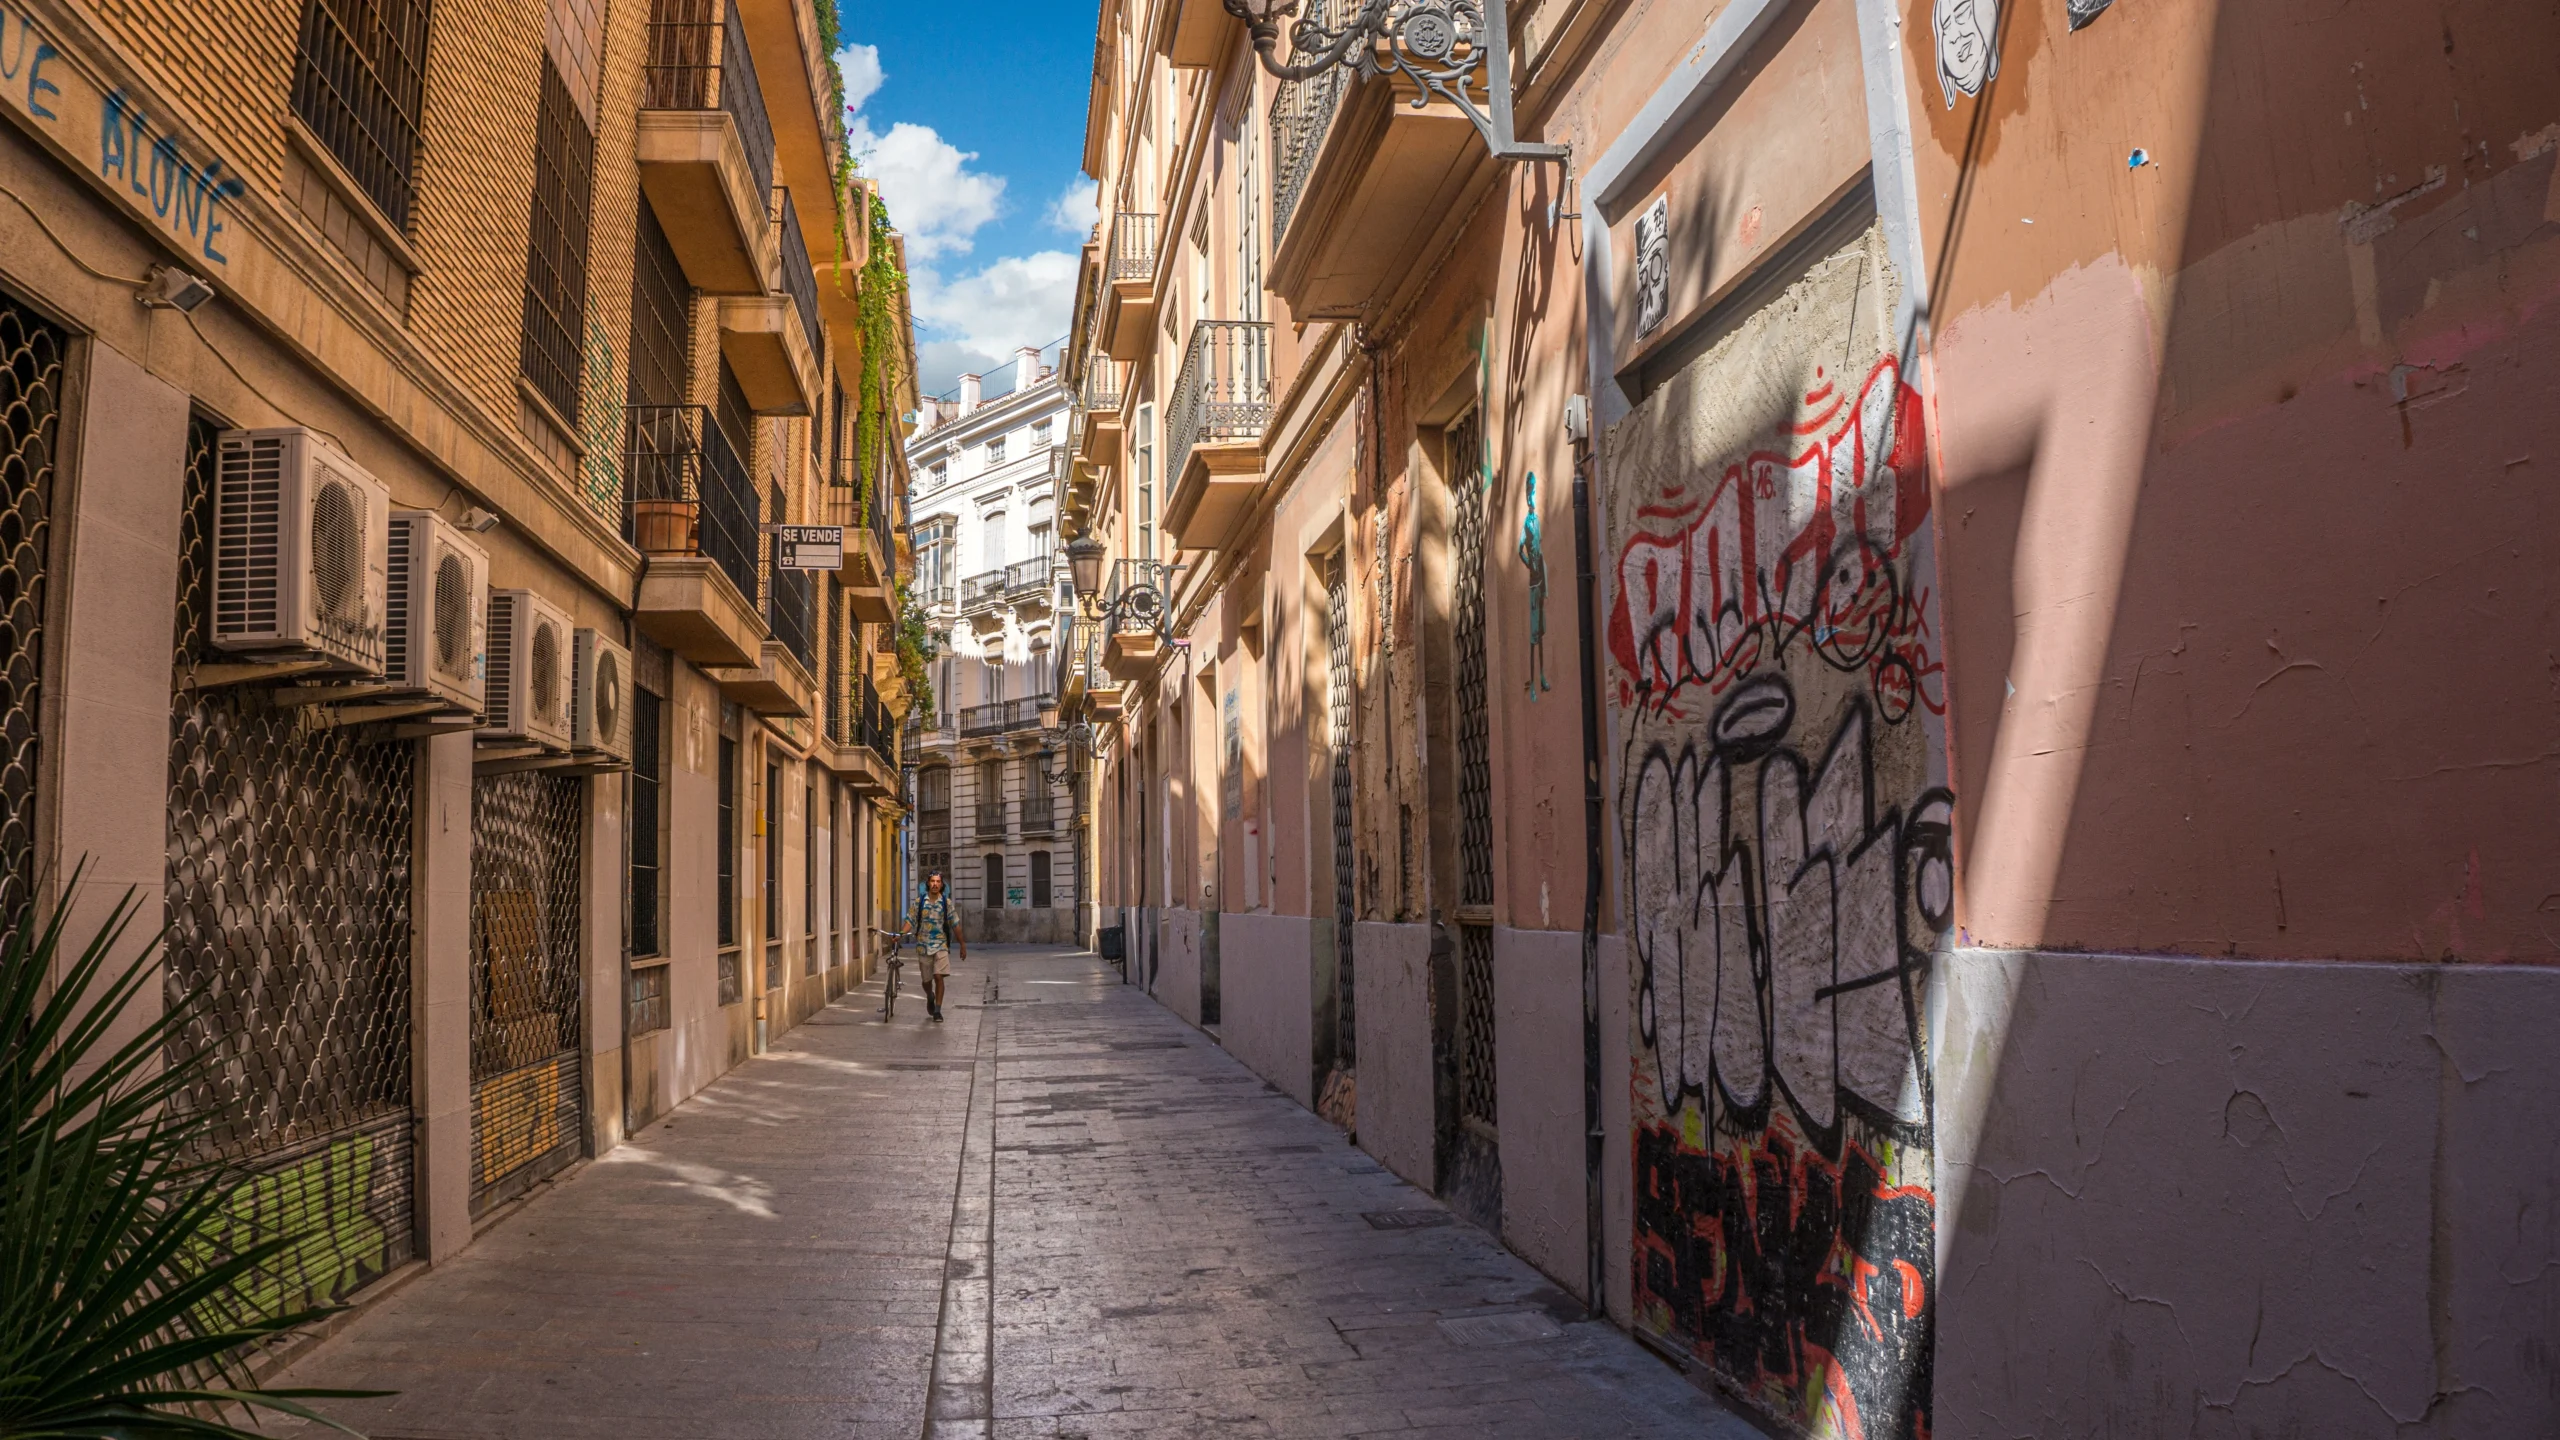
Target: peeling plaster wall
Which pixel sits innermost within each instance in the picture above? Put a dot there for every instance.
(2167, 1213)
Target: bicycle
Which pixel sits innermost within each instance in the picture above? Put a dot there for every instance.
(889, 988)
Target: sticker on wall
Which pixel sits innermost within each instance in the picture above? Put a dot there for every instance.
(1533, 558)
(1966, 59)
(1653, 265)
(2082, 12)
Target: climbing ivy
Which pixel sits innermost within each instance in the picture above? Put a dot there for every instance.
(916, 646)
(884, 285)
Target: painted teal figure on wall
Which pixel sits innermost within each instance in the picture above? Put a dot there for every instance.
(1533, 555)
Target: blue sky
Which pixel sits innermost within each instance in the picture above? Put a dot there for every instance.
(970, 114)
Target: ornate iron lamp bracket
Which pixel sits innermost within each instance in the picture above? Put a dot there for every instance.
(1447, 48)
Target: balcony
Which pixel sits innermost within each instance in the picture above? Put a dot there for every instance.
(1200, 33)
(1213, 430)
(1364, 182)
(705, 148)
(1039, 812)
(942, 595)
(1028, 583)
(990, 820)
(1002, 717)
(984, 589)
(691, 508)
(1135, 600)
(870, 547)
(777, 684)
(784, 38)
(1129, 285)
(790, 612)
(863, 739)
(771, 341)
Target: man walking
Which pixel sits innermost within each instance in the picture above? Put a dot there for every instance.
(937, 930)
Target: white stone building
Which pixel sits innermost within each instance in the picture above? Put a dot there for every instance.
(993, 808)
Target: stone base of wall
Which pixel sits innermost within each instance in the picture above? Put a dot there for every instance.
(1020, 926)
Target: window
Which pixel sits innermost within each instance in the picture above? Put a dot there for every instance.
(938, 475)
(1144, 469)
(1040, 542)
(933, 788)
(555, 277)
(1248, 217)
(995, 882)
(647, 785)
(1039, 879)
(995, 452)
(809, 860)
(661, 319)
(991, 680)
(358, 83)
(1039, 668)
(1039, 434)
(772, 876)
(730, 840)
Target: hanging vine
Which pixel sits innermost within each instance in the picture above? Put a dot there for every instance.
(916, 648)
(882, 307)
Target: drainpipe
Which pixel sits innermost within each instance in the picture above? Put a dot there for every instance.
(1594, 1137)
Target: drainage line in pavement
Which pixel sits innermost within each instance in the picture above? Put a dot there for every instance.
(960, 1395)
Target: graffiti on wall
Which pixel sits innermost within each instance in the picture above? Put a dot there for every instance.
(345, 1207)
(1789, 865)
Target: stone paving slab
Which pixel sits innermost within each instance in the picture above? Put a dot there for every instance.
(1064, 1214)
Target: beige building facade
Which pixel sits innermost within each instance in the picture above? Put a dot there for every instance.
(1808, 708)
(499, 777)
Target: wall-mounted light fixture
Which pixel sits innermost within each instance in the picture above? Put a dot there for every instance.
(1446, 47)
(166, 287)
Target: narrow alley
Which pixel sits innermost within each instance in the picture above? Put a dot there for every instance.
(1064, 1213)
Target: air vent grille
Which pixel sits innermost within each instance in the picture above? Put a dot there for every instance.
(248, 519)
(502, 662)
(337, 552)
(396, 646)
(544, 675)
(453, 617)
(608, 697)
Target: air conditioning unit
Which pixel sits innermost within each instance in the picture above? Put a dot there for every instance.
(600, 699)
(432, 636)
(529, 670)
(299, 540)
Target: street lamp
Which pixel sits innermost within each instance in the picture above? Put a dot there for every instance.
(1445, 47)
(1084, 561)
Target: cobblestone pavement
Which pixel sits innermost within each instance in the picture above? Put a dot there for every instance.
(1063, 1214)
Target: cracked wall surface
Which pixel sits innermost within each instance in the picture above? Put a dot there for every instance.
(2219, 1199)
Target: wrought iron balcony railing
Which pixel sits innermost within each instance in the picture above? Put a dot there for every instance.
(1133, 246)
(799, 280)
(984, 588)
(1300, 115)
(1136, 598)
(687, 492)
(1002, 716)
(1101, 393)
(1030, 576)
(991, 819)
(1039, 812)
(789, 613)
(941, 595)
(698, 60)
(1225, 390)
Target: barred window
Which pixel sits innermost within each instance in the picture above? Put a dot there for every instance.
(358, 83)
(661, 319)
(729, 841)
(646, 781)
(555, 272)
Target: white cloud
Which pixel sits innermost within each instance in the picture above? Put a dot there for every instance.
(860, 67)
(970, 321)
(1076, 207)
(977, 320)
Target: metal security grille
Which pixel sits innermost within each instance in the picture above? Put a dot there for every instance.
(358, 83)
(555, 272)
(661, 318)
(528, 1100)
(1337, 593)
(30, 428)
(287, 906)
(647, 787)
(1475, 775)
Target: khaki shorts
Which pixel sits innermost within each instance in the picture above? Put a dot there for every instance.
(938, 962)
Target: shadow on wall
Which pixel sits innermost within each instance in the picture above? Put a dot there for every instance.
(2247, 589)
